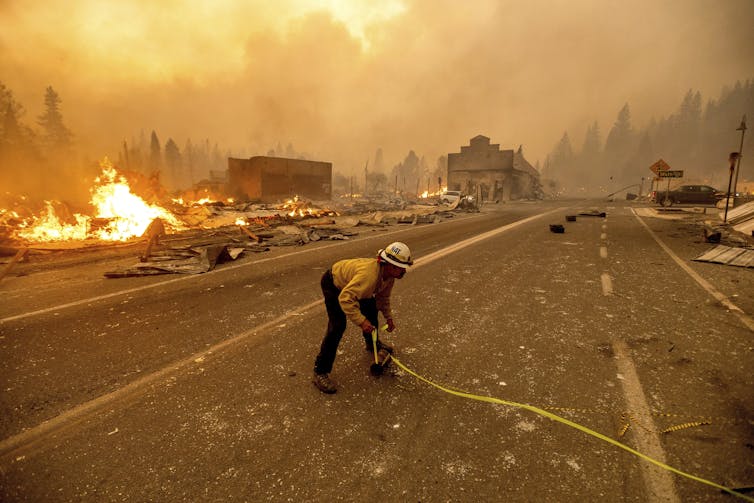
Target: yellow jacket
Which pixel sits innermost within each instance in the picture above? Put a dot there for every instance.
(361, 278)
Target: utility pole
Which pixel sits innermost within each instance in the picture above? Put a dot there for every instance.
(741, 128)
(732, 158)
(366, 177)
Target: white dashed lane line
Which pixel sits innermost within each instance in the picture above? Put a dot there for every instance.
(659, 483)
(607, 284)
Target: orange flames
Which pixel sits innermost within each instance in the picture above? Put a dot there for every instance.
(118, 214)
(124, 214)
(297, 208)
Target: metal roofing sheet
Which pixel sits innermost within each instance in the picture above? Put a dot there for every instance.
(721, 254)
(741, 213)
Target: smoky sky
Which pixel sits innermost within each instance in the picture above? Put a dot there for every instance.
(338, 79)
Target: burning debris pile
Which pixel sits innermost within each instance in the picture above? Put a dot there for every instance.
(119, 215)
(187, 236)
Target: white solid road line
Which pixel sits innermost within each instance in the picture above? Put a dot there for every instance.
(725, 301)
(71, 416)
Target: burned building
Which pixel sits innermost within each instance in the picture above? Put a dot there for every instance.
(482, 169)
(270, 179)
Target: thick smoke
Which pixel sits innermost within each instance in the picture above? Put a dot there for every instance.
(423, 75)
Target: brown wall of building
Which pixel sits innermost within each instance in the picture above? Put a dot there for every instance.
(271, 179)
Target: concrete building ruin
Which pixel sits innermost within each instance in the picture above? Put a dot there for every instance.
(271, 179)
(481, 169)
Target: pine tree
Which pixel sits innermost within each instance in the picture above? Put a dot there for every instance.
(621, 135)
(55, 134)
(588, 166)
(173, 164)
(619, 151)
(189, 161)
(12, 133)
(407, 172)
(155, 153)
(562, 155)
(592, 142)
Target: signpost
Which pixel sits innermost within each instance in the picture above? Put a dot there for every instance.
(662, 170)
(656, 168)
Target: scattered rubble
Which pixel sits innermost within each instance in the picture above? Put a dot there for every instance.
(219, 232)
(593, 213)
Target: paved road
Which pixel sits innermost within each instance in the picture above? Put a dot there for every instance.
(197, 388)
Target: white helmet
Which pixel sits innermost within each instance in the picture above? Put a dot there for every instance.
(397, 254)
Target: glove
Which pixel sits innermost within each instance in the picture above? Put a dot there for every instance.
(366, 326)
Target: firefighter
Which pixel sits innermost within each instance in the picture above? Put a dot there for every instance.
(356, 290)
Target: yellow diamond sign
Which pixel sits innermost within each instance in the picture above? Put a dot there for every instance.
(659, 166)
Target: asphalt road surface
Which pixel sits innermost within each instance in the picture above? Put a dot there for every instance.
(198, 388)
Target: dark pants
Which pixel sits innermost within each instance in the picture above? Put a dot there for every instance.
(336, 324)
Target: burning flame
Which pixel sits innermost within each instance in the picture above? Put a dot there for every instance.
(126, 214)
(48, 227)
(295, 207)
(200, 202)
(130, 215)
(427, 194)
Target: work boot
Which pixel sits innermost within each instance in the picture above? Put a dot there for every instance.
(323, 382)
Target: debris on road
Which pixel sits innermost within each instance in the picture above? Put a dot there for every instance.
(18, 257)
(711, 235)
(727, 255)
(217, 232)
(593, 213)
(742, 219)
(189, 260)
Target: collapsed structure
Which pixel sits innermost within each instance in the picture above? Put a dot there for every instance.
(269, 179)
(482, 169)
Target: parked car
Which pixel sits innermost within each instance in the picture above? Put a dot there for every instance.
(688, 194)
(450, 196)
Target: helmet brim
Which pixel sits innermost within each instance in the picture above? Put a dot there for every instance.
(390, 260)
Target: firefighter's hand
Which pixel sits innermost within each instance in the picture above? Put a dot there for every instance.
(367, 327)
(390, 325)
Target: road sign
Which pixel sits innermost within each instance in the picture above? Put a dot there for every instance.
(671, 173)
(659, 166)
